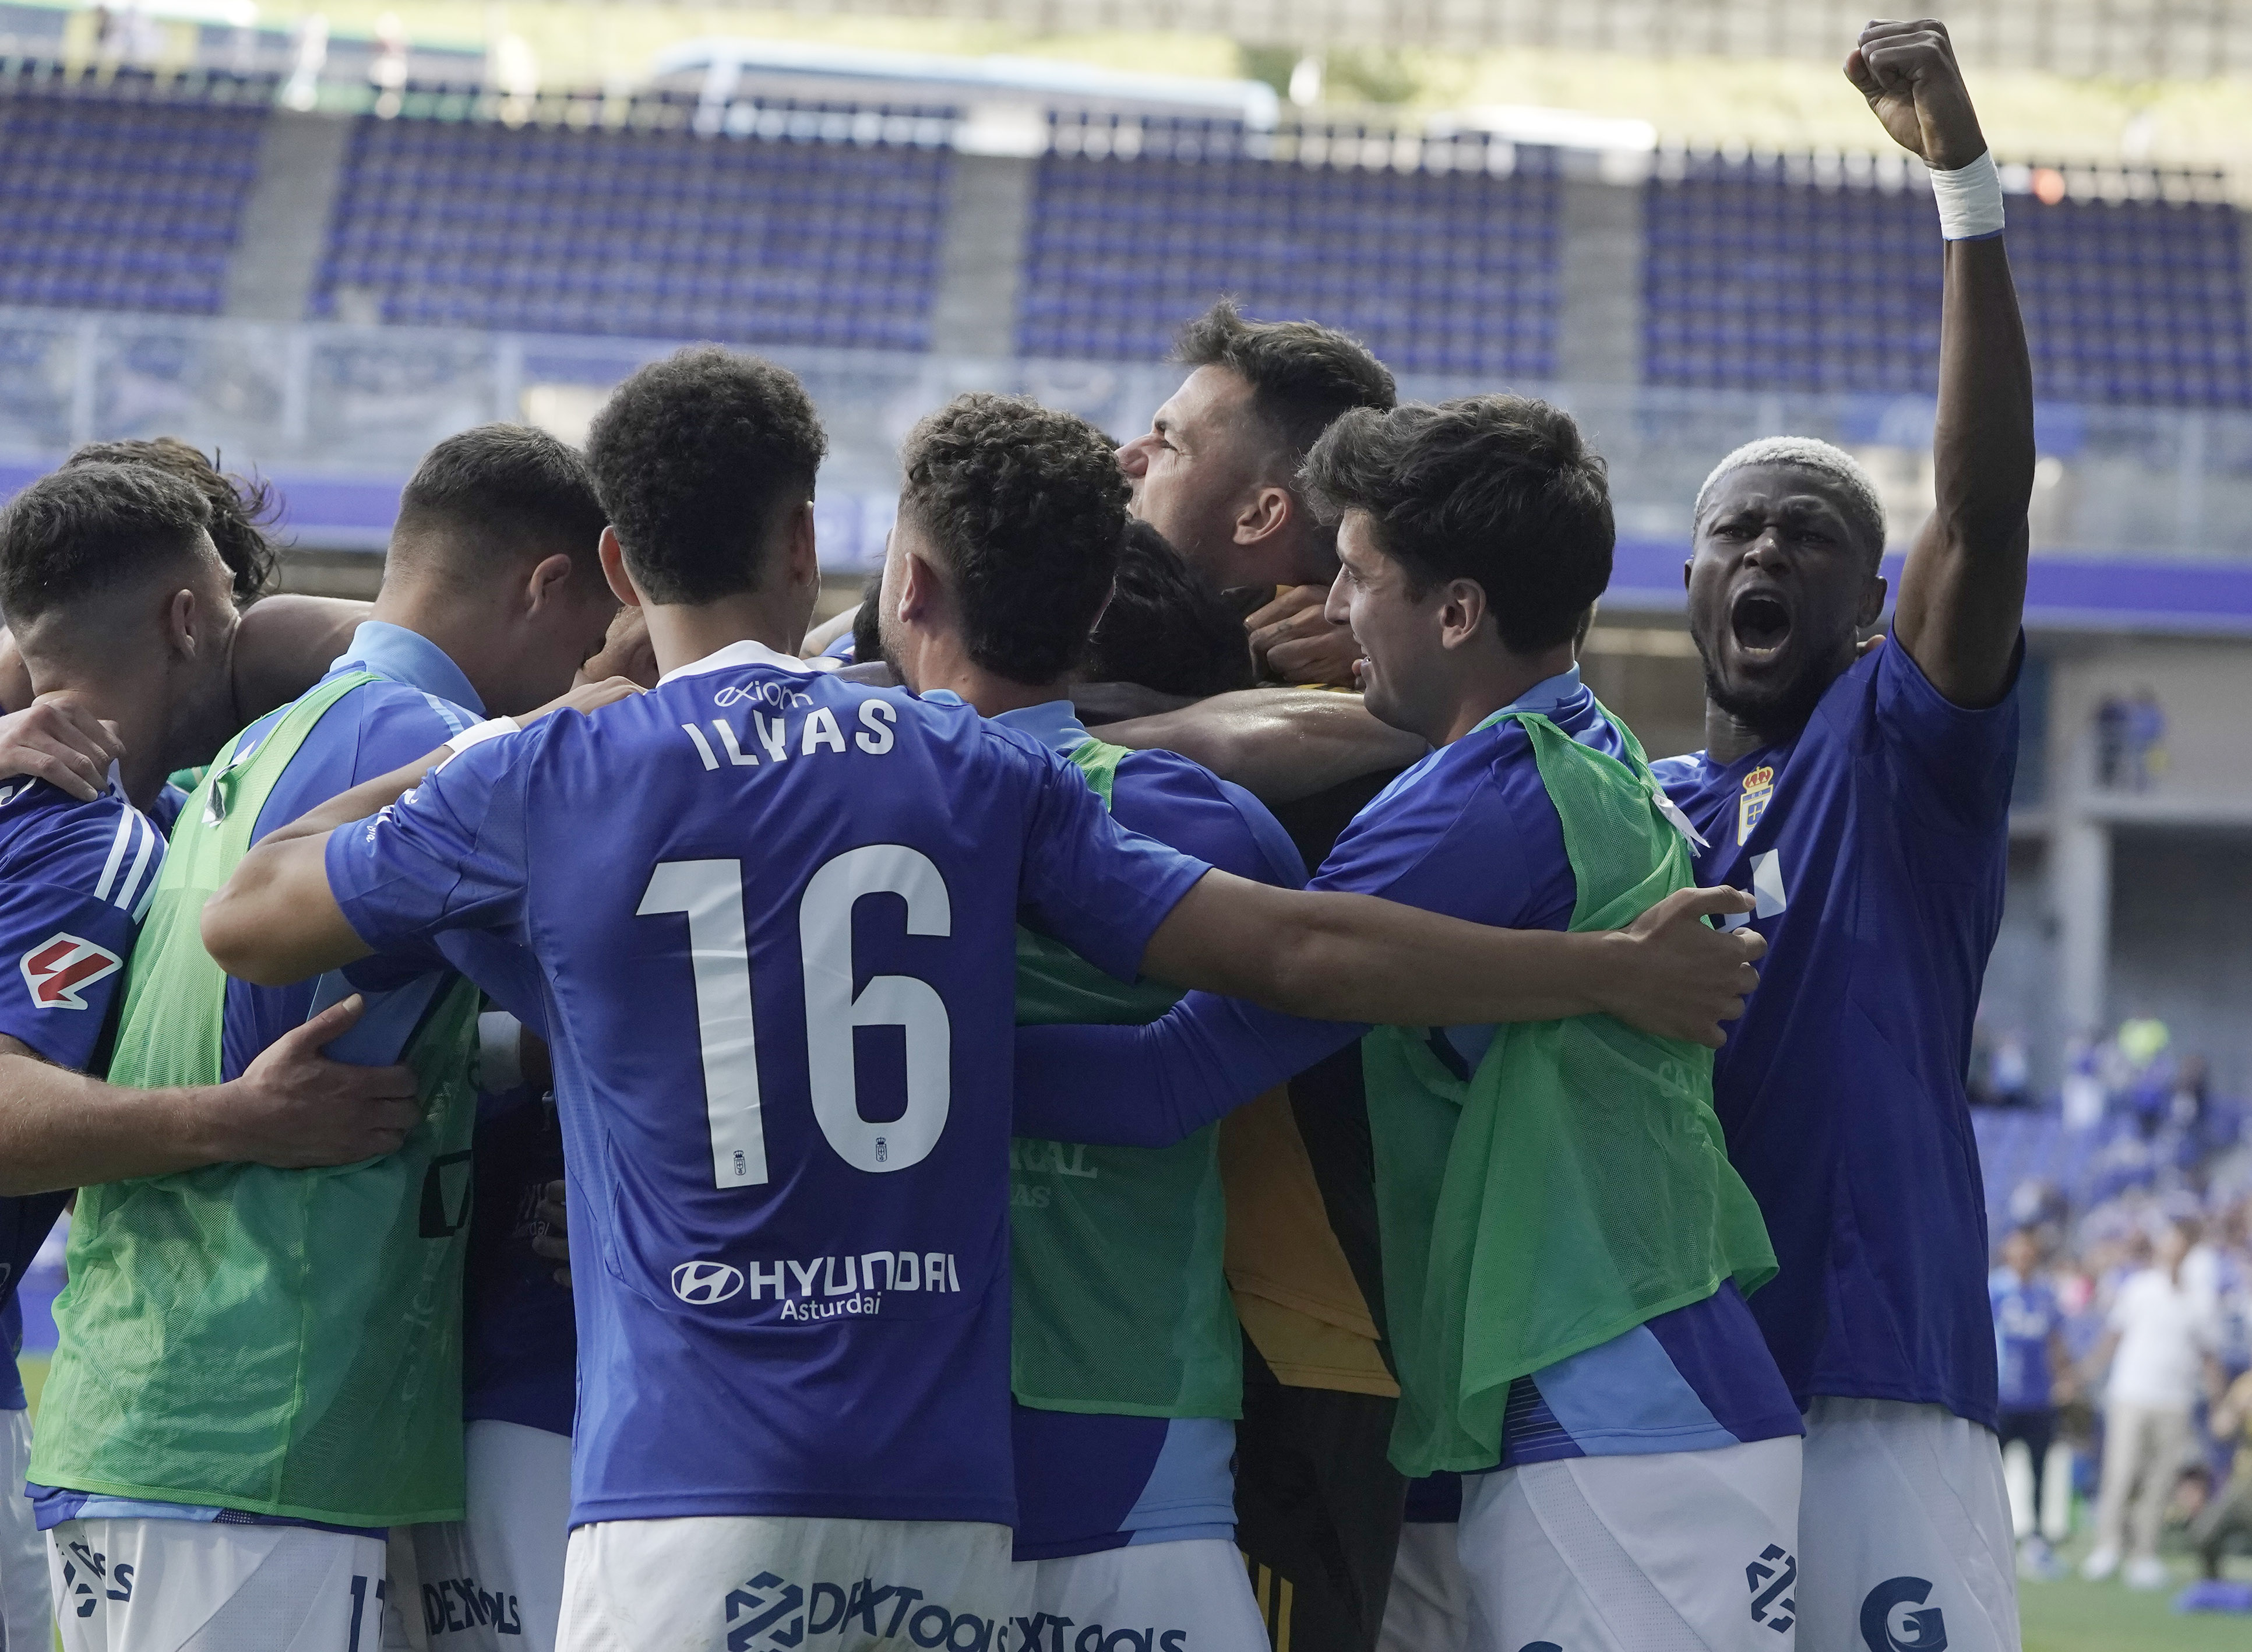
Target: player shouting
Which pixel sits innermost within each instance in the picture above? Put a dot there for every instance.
(774, 914)
(1865, 801)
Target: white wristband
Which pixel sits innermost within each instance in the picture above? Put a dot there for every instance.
(1969, 199)
(491, 728)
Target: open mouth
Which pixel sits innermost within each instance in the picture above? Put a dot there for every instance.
(1760, 622)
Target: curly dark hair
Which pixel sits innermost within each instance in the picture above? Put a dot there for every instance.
(89, 527)
(1501, 490)
(499, 491)
(1165, 627)
(699, 457)
(1027, 508)
(1301, 374)
(242, 507)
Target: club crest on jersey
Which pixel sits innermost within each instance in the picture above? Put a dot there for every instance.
(1758, 788)
(58, 966)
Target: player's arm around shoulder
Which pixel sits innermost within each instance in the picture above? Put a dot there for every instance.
(1962, 597)
(1344, 957)
(1280, 744)
(278, 919)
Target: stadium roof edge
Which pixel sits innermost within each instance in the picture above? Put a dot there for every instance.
(722, 58)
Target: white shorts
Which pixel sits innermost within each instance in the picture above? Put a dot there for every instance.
(1192, 1595)
(1429, 1609)
(493, 1582)
(1636, 1554)
(27, 1624)
(1904, 1531)
(192, 1586)
(755, 1583)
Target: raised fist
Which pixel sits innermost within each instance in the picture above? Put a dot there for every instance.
(1908, 73)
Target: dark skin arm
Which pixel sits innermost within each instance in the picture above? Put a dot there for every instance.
(1278, 743)
(1294, 639)
(1962, 593)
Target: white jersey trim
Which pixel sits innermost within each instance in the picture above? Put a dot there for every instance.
(747, 652)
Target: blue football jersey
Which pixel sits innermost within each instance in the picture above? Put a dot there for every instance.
(1468, 832)
(773, 918)
(2026, 1315)
(75, 881)
(423, 701)
(1089, 1482)
(1876, 842)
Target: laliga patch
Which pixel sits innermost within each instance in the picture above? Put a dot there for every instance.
(1759, 789)
(58, 966)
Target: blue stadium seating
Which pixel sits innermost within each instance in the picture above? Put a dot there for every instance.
(656, 234)
(1756, 281)
(1451, 273)
(122, 201)
(123, 192)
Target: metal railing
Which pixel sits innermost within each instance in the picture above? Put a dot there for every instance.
(352, 401)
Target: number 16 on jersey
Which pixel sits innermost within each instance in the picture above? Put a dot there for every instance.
(710, 895)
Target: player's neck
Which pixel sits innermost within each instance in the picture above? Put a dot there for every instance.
(1728, 737)
(1500, 678)
(682, 634)
(136, 704)
(461, 627)
(992, 695)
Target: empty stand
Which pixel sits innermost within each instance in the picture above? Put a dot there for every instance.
(657, 234)
(124, 198)
(1449, 272)
(1753, 280)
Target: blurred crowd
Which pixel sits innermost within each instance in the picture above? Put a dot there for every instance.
(2123, 1311)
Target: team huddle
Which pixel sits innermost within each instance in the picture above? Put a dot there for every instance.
(1022, 1121)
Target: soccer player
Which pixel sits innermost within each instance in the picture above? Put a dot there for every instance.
(282, 647)
(494, 1579)
(1565, 1246)
(1126, 1365)
(1863, 796)
(305, 1393)
(1319, 1505)
(2035, 1368)
(774, 915)
(122, 612)
(1216, 474)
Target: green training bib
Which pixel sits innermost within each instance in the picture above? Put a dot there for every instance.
(1578, 1184)
(284, 1342)
(1120, 1303)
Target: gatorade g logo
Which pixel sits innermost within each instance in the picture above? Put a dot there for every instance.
(1885, 1627)
(58, 966)
(704, 1283)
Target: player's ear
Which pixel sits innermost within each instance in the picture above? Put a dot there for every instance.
(1264, 515)
(919, 586)
(182, 620)
(1872, 601)
(613, 556)
(1462, 614)
(803, 552)
(546, 583)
